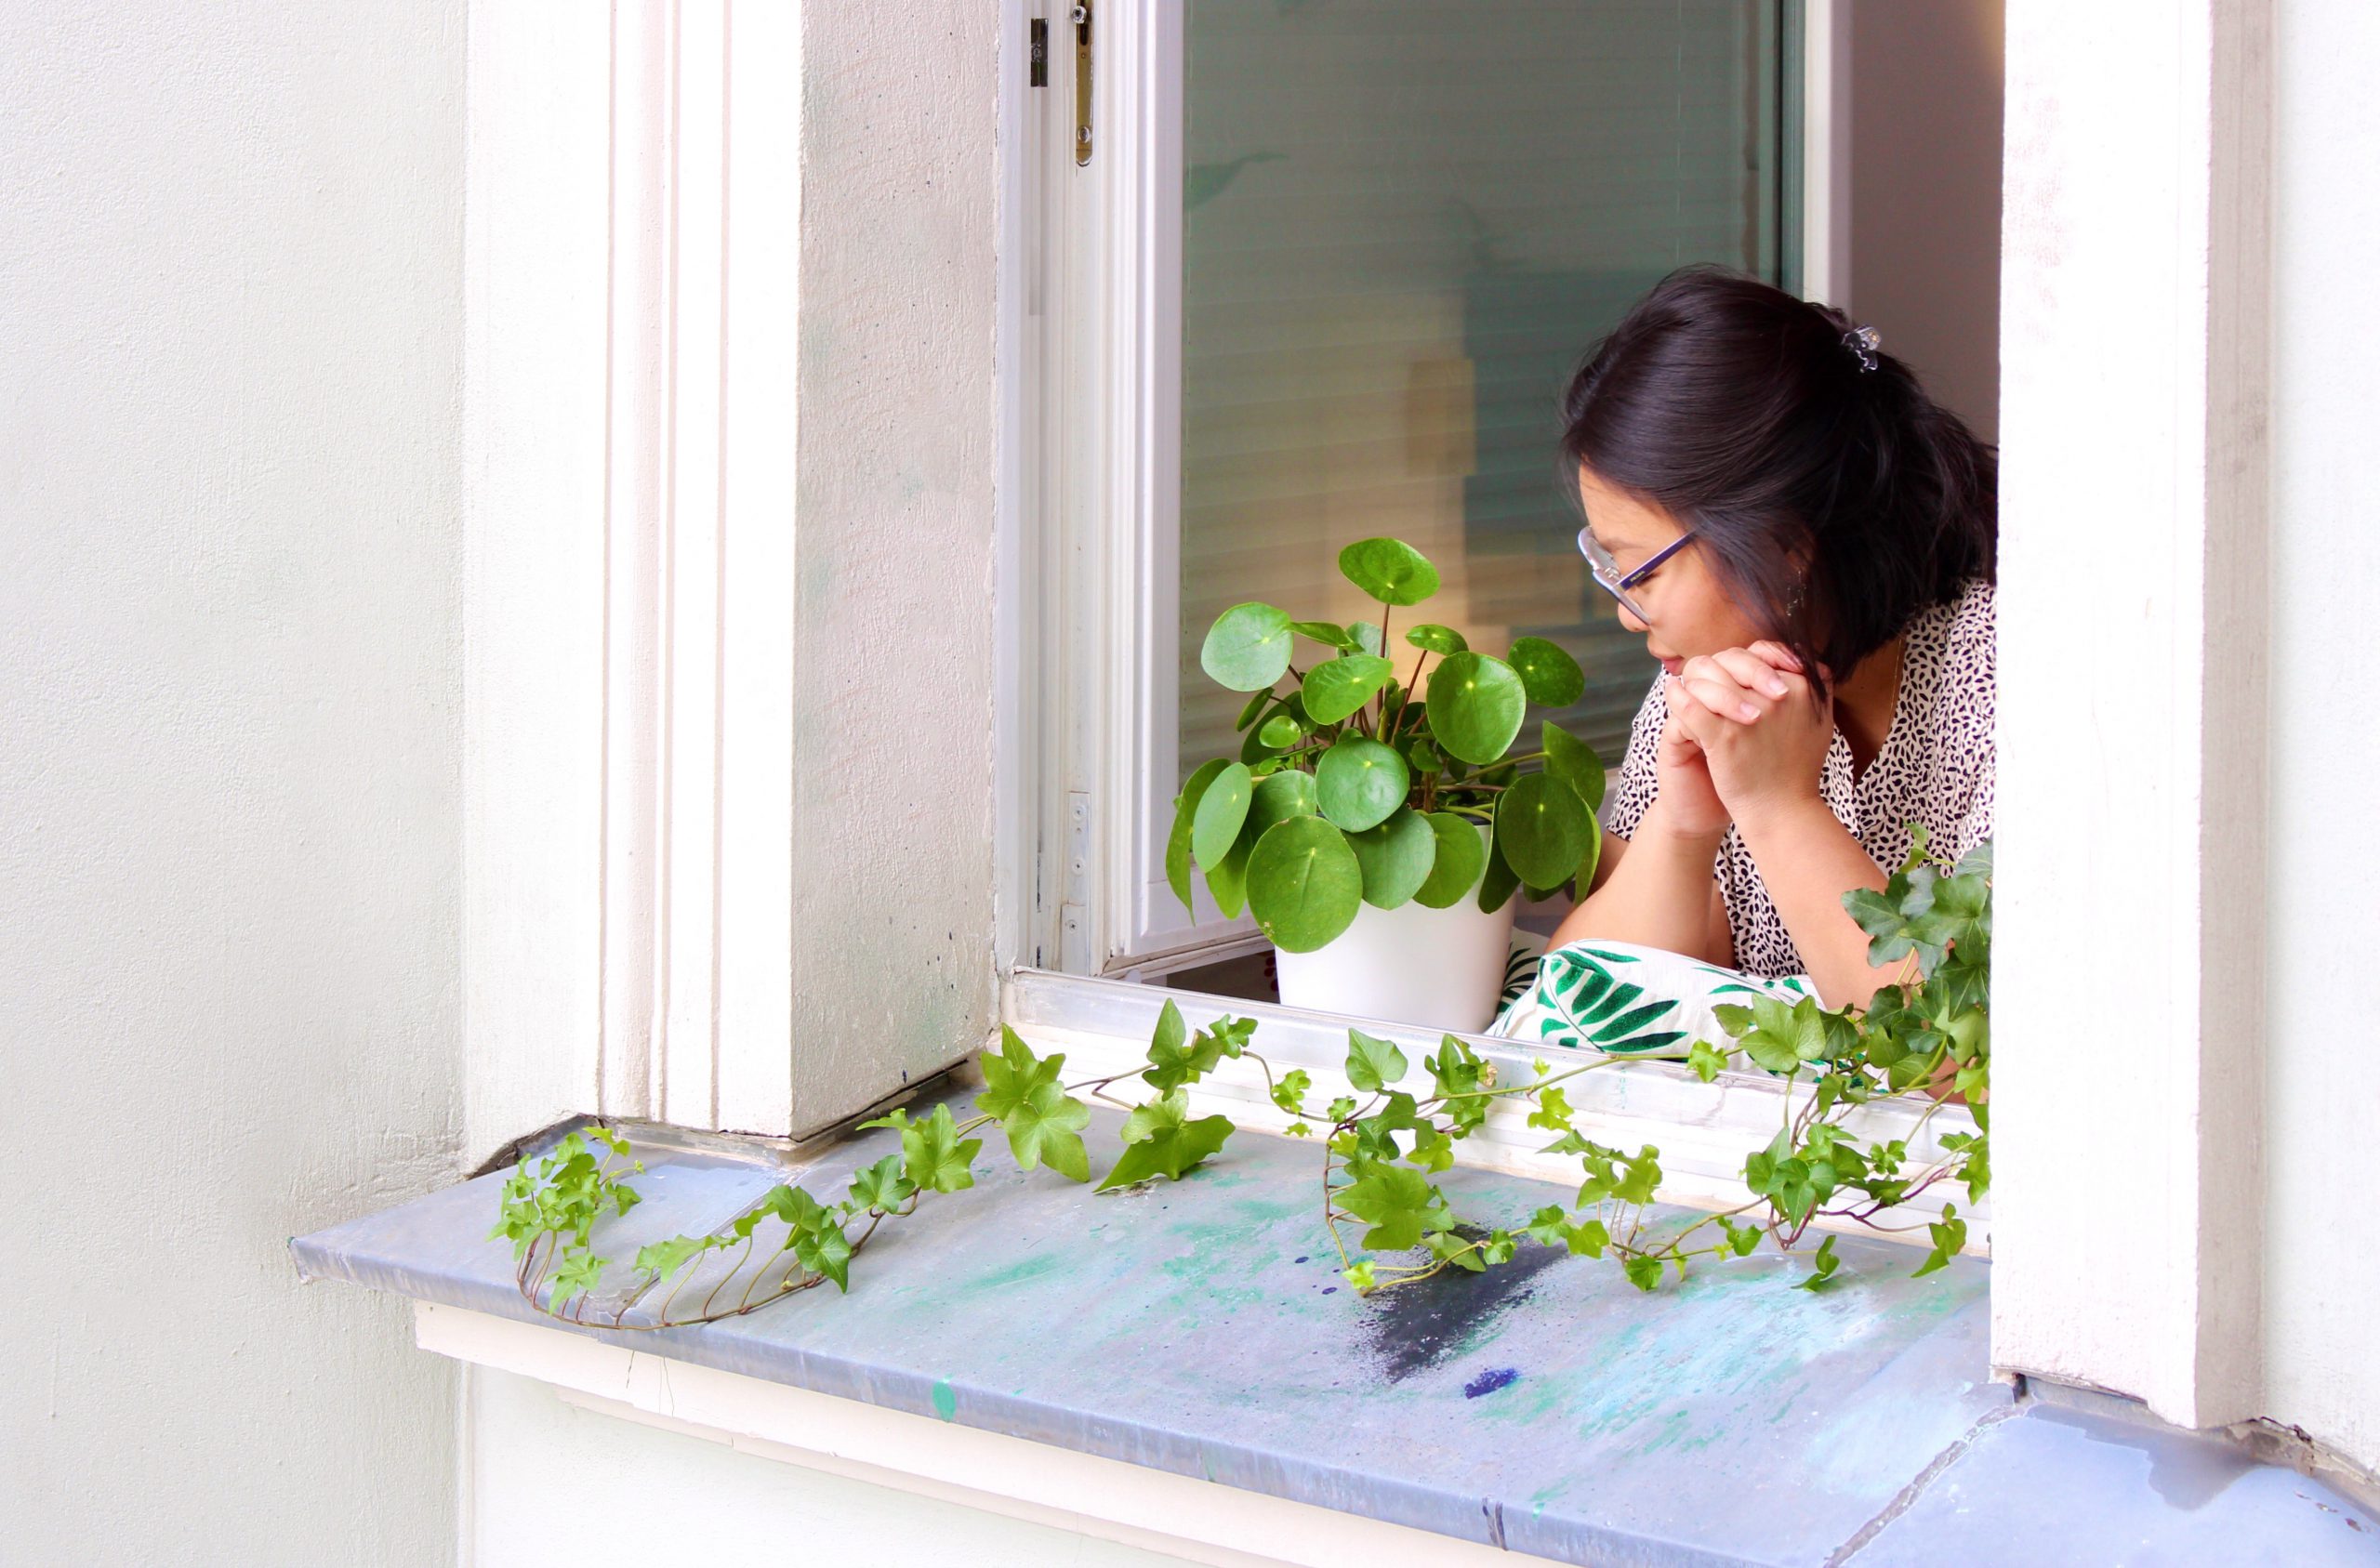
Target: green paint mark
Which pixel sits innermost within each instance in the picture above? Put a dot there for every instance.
(946, 1403)
(1018, 1272)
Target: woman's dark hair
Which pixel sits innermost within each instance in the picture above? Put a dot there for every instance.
(1739, 409)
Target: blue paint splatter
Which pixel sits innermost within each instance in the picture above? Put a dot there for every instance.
(1488, 1382)
(946, 1403)
(1331, 1290)
(1300, 1258)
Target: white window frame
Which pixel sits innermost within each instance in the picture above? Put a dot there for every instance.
(1090, 628)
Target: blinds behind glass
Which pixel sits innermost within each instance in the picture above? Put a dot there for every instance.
(1405, 222)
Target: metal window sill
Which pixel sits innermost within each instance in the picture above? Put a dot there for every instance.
(1180, 1367)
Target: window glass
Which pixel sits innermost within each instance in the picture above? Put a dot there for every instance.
(1405, 222)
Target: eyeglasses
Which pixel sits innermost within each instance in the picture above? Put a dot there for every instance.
(1608, 577)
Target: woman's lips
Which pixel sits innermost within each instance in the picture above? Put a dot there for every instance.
(1672, 665)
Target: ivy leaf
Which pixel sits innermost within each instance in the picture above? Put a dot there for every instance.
(1742, 1238)
(1640, 1176)
(1706, 1061)
(1372, 1065)
(1458, 1073)
(1553, 1110)
(825, 1250)
(1399, 1204)
(1359, 1274)
(1043, 1123)
(1950, 1237)
(1288, 1093)
(663, 1258)
(1644, 1274)
(1159, 1139)
(1432, 1149)
(882, 1185)
(581, 1268)
(1173, 1061)
(933, 1155)
(1822, 1266)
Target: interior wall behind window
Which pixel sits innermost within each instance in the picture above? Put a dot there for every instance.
(1926, 95)
(1405, 223)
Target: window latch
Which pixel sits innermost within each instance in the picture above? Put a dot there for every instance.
(1082, 83)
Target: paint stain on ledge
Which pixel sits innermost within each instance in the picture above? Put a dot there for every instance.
(946, 1403)
(1489, 1381)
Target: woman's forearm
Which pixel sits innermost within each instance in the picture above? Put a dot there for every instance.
(1658, 894)
(1808, 860)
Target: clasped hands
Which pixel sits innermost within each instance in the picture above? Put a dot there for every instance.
(1743, 739)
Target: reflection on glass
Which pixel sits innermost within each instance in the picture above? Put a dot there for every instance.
(1405, 221)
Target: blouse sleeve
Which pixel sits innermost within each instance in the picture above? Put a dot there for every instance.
(1631, 794)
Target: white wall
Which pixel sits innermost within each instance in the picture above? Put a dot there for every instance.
(229, 279)
(2321, 1369)
(668, 1498)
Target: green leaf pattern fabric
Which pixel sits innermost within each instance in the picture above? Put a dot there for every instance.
(1622, 999)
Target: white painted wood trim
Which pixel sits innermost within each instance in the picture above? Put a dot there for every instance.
(1826, 152)
(2132, 653)
(1016, 1477)
(1702, 1130)
(632, 271)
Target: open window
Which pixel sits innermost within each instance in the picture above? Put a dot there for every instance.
(1318, 275)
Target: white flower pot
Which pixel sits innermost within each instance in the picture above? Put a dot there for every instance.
(1440, 969)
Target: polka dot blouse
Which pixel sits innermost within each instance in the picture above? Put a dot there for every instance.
(1935, 768)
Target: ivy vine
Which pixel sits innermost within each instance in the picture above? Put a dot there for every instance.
(1381, 1146)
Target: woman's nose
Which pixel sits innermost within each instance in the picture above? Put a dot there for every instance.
(1634, 623)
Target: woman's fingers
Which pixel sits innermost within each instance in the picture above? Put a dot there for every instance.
(1776, 655)
(1752, 672)
(1712, 684)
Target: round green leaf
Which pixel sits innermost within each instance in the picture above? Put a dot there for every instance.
(1177, 843)
(1222, 810)
(1359, 782)
(1277, 798)
(1461, 856)
(1255, 705)
(1304, 883)
(1425, 757)
(1247, 648)
(1543, 830)
(1389, 570)
(1551, 676)
(1330, 634)
(1279, 732)
(1366, 637)
(1496, 884)
(1396, 856)
(1475, 704)
(1436, 638)
(1336, 688)
(1574, 762)
(1228, 880)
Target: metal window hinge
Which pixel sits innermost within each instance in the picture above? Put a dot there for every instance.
(1074, 907)
(1039, 55)
(1082, 83)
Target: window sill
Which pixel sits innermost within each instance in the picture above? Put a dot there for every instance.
(1703, 1130)
(1180, 1367)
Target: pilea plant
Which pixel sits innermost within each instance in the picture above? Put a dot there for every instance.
(1379, 1151)
(1353, 786)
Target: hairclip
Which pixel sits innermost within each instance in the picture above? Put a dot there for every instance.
(1864, 341)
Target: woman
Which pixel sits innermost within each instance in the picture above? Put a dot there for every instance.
(1804, 540)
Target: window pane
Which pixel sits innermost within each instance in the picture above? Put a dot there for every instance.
(1405, 222)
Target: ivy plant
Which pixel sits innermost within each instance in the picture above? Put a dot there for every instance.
(1382, 1147)
(1354, 786)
